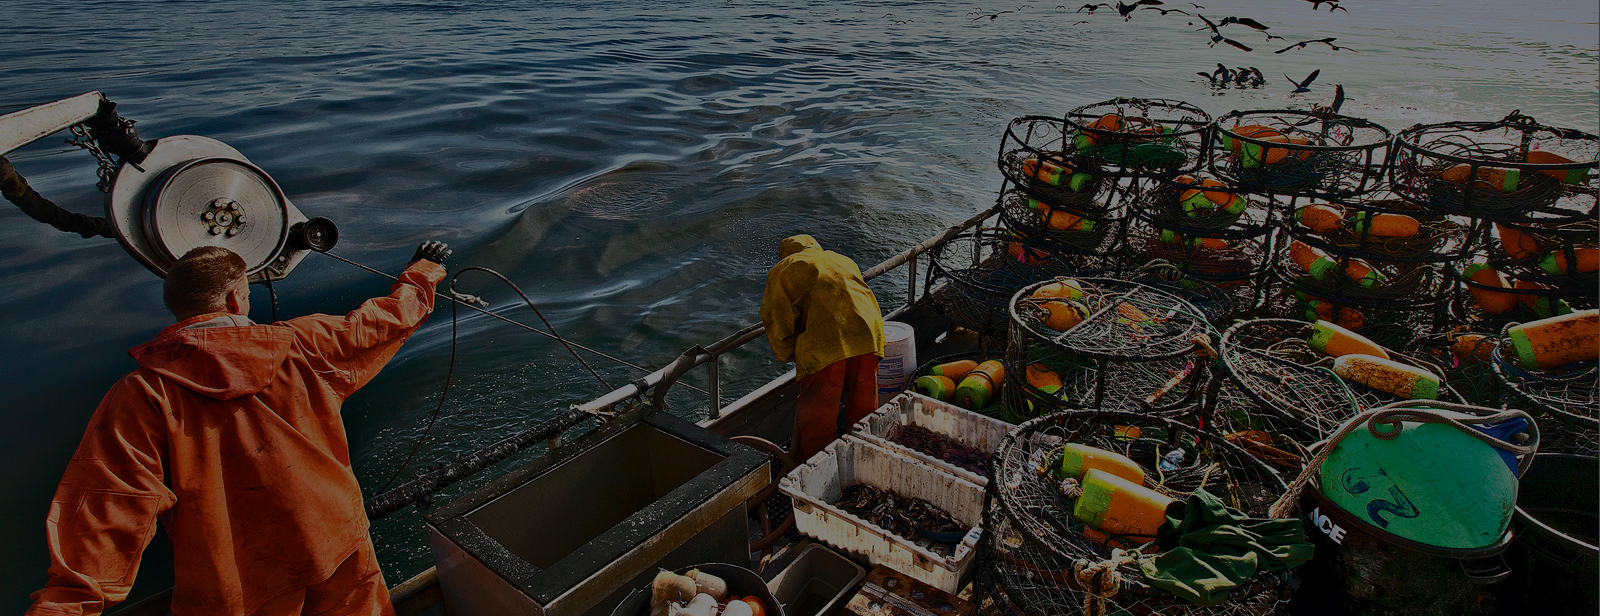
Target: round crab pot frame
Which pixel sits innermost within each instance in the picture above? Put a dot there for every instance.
(981, 271)
(1136, 137)
(1469, 372)
(1064, 231)
(1564, 396)
(1036, 157)
(1379, 227)
(1185, 204)
(1225, 255)
(1495, 170)
(1271, 363)
(1344, 281)
(1299, 152)
(1538, 295)
(1035, 540)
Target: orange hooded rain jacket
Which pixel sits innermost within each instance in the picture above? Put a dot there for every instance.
(231, 434)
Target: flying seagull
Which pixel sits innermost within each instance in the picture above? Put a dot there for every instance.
(1303, 86)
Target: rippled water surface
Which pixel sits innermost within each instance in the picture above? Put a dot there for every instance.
(630, 164)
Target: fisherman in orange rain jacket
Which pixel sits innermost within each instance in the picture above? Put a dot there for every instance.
(230, 433)
(822, 316)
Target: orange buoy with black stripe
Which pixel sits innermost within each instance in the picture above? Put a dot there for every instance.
(1320, 217)
(1517, 244)
(1489, 299)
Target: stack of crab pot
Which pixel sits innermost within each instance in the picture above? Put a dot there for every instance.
(1206, 229)
(1048, 200)
(1293, 159)
(1530, 192)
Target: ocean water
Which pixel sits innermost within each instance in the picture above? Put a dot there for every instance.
(631, 165)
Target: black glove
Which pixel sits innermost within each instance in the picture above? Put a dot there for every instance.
(433, 251)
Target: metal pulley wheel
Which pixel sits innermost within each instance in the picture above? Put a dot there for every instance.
(217, 202)
(195, 191)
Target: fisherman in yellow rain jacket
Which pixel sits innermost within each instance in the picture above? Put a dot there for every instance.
(821, 315)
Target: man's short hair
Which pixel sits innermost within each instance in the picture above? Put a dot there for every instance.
(201, 279)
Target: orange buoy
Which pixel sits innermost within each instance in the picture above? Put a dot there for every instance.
(1046, 171)
(1516, 243)
(954, 370)
(934, 386)
(1061, 220)
(1315, 261)
(1387, 375)
(1111, 122)
(1043, 378)
(1065, 288)
(1077, 459)
(1253, 131)
(1578, 175)
(1062, 314)
(1253, 155)
(1473, 347)
(1336, 341)
(1320, 217)
(1555, 263)
(1120, 507)
(977, 387)
(1488, 299)
(1557, 341)
(1492, 178)
(1363, 273)
(1349, 318)
(1542, 306)
(1385, 225)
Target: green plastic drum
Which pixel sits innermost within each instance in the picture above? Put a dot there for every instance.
(1432, 484)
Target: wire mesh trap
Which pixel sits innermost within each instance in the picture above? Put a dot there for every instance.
(1298, 152)
(1041, 380)
(1487, 297)
(1062, 230)
(1380, 227)
(1493, 170)
(1136, 137)
(1272, 362)
(1036, 157)
(1563, 396)
(1033, 552)
(981, 271)
(1265, 435)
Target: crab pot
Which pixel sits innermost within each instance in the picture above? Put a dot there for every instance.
(1271, 363)
(1218, 301)
(1090, 234)
(1036, 157)
(1495, 170)
(1136, 137)
(1035, 538)
(1362, 569)
(1563, 399)
(1128, 341)
(542, 540)
(1378, 227)
(1298, 152)
(1392, 327)
(980, 271)
(1555, 561)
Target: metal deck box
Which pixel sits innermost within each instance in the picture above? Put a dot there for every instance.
(571, 533)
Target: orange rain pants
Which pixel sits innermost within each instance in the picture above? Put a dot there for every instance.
(846, 389)
(356, 588)
(229, 433)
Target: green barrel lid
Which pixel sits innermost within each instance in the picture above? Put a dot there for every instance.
(1432, 484)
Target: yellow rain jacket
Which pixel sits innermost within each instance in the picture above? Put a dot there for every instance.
(817, 309)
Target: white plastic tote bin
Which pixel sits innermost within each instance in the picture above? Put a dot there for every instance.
(821, 481)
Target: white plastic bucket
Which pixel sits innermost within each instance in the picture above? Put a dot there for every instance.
(899, 359)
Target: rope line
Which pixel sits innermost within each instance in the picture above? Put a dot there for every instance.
(520, 324)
